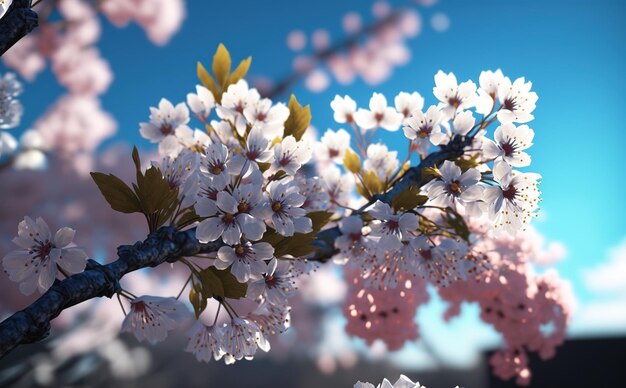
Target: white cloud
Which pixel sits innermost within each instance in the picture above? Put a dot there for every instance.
(609, 276)
(605, 313)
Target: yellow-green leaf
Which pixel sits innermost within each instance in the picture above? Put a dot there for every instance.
(466, 164)
(117, 193)
(373, 184)
(208, 81)
(197, 300)
(363, 191)
(240, 71)
(298, 120)
(221, 65)
(408, 199)
(352, 161)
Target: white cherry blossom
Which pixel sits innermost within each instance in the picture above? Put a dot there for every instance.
(205, 342)
(453, 96)
(333, 146)
(352, 243)
(290, 155)
(407, 103)
(270, 118)
(344, 109)
(381, 161)
(246, 259)
(214, 163)
(42, 256)
(229, 223)
(276, 284)
(241, 339)
(518, 102)
(454, 187)
(391, 223)
(463, 123)
(513, 203)
(379, 115)
(425, 128)
(489, 82)
(164, 122)
(201, 102)
(151, 317)
(510, 143)
(284, 205)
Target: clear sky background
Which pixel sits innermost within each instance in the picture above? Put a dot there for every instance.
(572, 50)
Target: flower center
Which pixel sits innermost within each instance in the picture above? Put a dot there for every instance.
(42, 250)
(454, 188)
(261, 116)
(509, 193)
(508, 148)
(424, 132)
(392, 224)
(240, 251)
(217, 169)
(228, 218)
(379, 117)
(271, 281)
(333, 153)
(243, 207)
(510, 104)
(167, 129)
(277, 206)
(426, 254)
(455, 101)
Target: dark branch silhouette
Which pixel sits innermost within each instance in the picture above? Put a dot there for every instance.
(16, 23)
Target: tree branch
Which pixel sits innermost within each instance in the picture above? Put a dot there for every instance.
(33, 323)
(19, 20)
(165, 245)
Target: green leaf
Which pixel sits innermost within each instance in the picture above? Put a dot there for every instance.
(188, 217)
(298, 120)
(408, 199)
(221, 65)
(299, 244)
(211, 284)
(240, 71)
(117, 193)
(208, 81)
(232, 288)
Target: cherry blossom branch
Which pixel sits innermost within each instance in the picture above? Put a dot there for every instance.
(287, 82)
(166, 245)
(413, 176)
(19, 20)
(33, 323)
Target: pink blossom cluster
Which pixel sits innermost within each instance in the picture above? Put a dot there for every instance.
(369, 50)
(386, 314)
(159, 18)
(530, 310)
(67, 38)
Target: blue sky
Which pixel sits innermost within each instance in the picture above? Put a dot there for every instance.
(572, 51)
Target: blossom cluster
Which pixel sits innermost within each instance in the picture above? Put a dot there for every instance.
(67, 38)
(239, 167)
(368, 49)
(242, 178)
(422, 238)
(402, 382)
